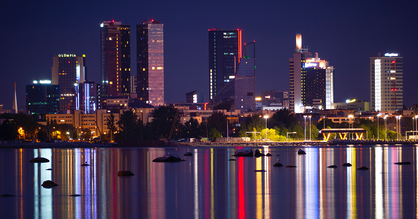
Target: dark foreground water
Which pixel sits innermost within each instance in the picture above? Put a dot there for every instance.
(207, 185)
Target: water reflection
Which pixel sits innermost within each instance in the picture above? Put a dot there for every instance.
(207, 185)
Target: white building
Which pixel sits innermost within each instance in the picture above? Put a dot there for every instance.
(386, 82)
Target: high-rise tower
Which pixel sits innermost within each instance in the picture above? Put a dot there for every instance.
(150, 62)
(115, 50)
(310, 81)
(225, 52)
(386, 82)
(69, 71)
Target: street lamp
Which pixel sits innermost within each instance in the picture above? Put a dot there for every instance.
(227, 130)
(385, 127)
(310, 129)
(399, 126)
(349, 123)
(266, 117)
(416, 123)
(305, 125)
(378, 129)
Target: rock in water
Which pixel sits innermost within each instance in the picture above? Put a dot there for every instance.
(300, 151)
(262, 171)
(168, 158)
(257, 153)
(231, 159)
(268, 154)
(347, 165)
(278, 164)
(291, 166)
(125, 173)
(7, 195)
(39, 160)
(363, 168)
(49, 184)
(244, 152)
(332, 166)
(188, 154)
(401, 163)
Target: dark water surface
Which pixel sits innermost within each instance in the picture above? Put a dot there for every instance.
(207, 185)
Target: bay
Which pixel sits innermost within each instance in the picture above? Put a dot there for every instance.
(208, 185)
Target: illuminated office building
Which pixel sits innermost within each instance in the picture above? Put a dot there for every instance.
(150, 62)
(225, 53)
(115, 59)
(310, 81)
(69, 71)
(42, 97)
(88, 97)
(386, 82)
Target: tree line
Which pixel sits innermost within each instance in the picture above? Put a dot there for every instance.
(166, 124)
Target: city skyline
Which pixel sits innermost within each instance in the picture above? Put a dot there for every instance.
(347, 36)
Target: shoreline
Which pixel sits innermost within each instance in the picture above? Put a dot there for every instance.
(211, 144)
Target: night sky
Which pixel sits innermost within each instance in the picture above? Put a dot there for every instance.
(345, 33)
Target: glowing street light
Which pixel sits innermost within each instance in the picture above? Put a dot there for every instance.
(416, 123)
(266, 117)
(310, 129)
(305, 125)
(378, 129)
(349, 123)
(398, 126)
(385, 127)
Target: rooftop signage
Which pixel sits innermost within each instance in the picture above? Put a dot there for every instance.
(67, 55)
(311, 65)
(391, 54)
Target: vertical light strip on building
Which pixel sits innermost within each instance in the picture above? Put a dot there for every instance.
(377, 86)
(77, 89)
(239, 45)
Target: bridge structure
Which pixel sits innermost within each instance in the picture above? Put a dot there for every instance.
(343, 133)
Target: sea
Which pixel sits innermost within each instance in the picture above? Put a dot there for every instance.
(212, 183)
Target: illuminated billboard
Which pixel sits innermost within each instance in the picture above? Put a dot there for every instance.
(310, 65)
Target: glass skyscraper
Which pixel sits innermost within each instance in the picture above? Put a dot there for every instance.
(150, 62)
(225, 52)
(311, 81)
(68, 71)
(42, 97)
(115, 59)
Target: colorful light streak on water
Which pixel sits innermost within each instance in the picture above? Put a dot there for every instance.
(208, 186)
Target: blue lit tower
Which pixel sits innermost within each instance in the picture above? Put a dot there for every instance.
(225, 53)
(42, 97)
